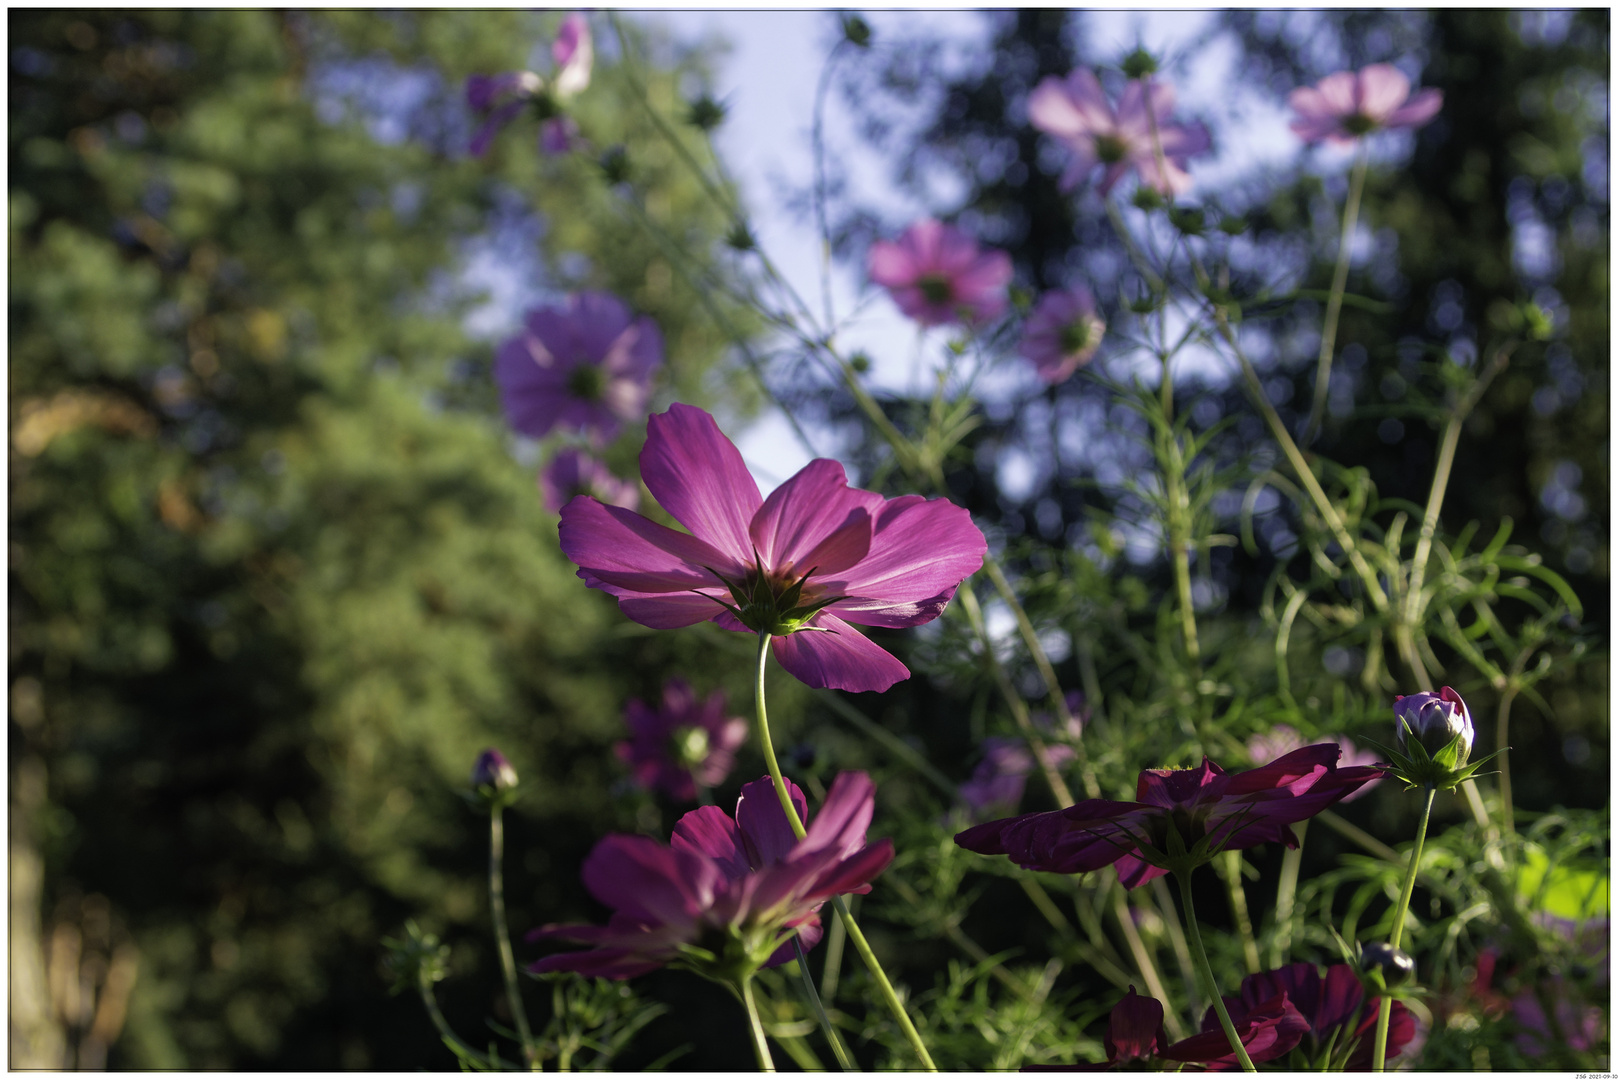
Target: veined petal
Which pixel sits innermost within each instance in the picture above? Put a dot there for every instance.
(670, 611)
(709, 831)
(642, 880)
(843, 818)
(766, 835)
(620, 548)
(837, 657)
(853, 874)
(698, 476)
(811, 521)
(920, 549)
(1340, 92)
(1071, 107)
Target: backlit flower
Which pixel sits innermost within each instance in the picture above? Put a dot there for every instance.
(1283, 739)
(1335, 1009)
(1181, 819)
(584, 365)
(1433, 720)
(1135, 1034)
(937, 274)
(1062, 334)
(727, 895)
(682, 742)
(801, 565)
(573, 472)
(1347, 105)
(499, 99)
(1076, 112)
(1265, 1031)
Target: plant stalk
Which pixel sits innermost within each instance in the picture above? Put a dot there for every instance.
(1334, 304)
(761, 1049)
(1206, 971)
(502, 936)
(1379, 1048)
(839, 1051)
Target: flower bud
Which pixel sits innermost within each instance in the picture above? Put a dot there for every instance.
(1434, 720)
(1394, 965)
(1139, 64)
(857, 31)
(494, 771)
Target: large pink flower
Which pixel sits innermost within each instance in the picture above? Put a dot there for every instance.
(937, 274)
(1346, 105)
(584, 365)
(1205, 809)
(801, 565)
(1077, 113)
(1062, 334)
(738, 889)
(682, 742)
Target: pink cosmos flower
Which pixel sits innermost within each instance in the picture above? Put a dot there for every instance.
(501, 98)
(1333, 1008)
(1135, 1033)
(801, 565)
(573, 472)
(1077, 113)
(585, 365)
(1062, 334)
(1283, 739)
(1347, 105)
(937, 274)
(1205, 809)
(744, 882)
(681, 743)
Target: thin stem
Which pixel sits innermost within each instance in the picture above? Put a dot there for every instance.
(1379, 1049)
(1137, 947)
(1285, 897)
(1334, 304)
(1228, 865)
(1206, 971)
(818, 141)
(446, 1032)
(761, 1049)
(1182, 953)
(861, 946)
(839, 1051)
(502, 936)
(832, 973)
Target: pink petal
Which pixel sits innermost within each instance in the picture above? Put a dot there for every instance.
(810, 521)
(710, 831)
(842, 659)
(921, 551)
(844, 816)
(1418, 111)
(533, 392)
(765, 832)
(1382, 88)
(574, 56)
(1074, 107)
(698, 476)
(1339, 91)
(643, 880)
(1311, 106)
(1184, 140)
(890, 265)
(670, 611)
(853, 874)
(620, 548)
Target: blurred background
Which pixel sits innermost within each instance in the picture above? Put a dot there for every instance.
(278, 572)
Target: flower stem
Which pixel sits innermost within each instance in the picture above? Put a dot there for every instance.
(502, 936)
(1334, 304)
(1285, 897)
(761, 1049)
(1206, 971)
(1380, 1047)
(839, 1051)
(861, 946)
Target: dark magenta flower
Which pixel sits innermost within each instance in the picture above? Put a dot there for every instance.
(585, 365)
(499, 99)
(1334, 1009)
(1181, 819)
(573, 472)
(1135, 1034)
(998, 781)
(1347, 105)
(681, 743)
(1283, 739)
(728, 895)
(1266, 1032)
(1076, 112)
(802, 565)
(937, 274)
(1062, 334)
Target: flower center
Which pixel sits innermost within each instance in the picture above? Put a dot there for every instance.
(690, 746)
(774, 604)
(936, 288)
(1359, 124)
(1110, 149)
(587, 382)
(1075, 336)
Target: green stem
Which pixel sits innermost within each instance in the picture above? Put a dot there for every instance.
(1285, 897)
(502, 935)
(1334, 304)
(1206, 971)
(1228, 865)
(861, 946)
(839, 1051)
(1379, 1049)
(447, 1033)
(761, 1049)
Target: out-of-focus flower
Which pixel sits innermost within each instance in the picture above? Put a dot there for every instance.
(1434, 720)
(1578, 1026)
(1062, 334)
(501, 98)
(1347, 105)
(937, 274)
(584, 365)
(682, 742)
(1181, 819)
(1283, 739)
(1333, 1007)
(728, 895)
(494, 770)
(1267, 1031)
(802, 565)
(573, 472)
(1077, 113)
(998, 781)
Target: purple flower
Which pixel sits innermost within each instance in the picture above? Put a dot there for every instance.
(727, 896)
(492, 769)
(937, 274)
(1062, 334)
(1346, 105)
(574, 53)
(1579, 1026)
(573, 472)
(1135, 1033)
(1077, 113)
(681, 743)
(801, 565)
(1333, 1007)
(1182, 817)
(501, 98)
(584, 365)
(1434, 720)
(998, 781)
(1282, 739)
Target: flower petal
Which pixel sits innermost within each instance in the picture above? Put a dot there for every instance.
(837, 657)
(766, 835)
(843, 818)
(618, 547)
(698, 476)
(1417, 111)
(1380, 89)
(921, 551)
(709, 831)
(643, 880)
(812, 522)
(1071, 107)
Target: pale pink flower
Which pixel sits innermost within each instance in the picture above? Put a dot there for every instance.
(937, 274)
(1077, 113)
(1346, 105)
(1062, 334)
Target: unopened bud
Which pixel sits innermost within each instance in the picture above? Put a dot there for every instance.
(1434, 721)
(705, 113)
(1147, 198)
(1188, 219)
(1139, 64)
(1394, 965)
(857, 31)
(493, 770)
